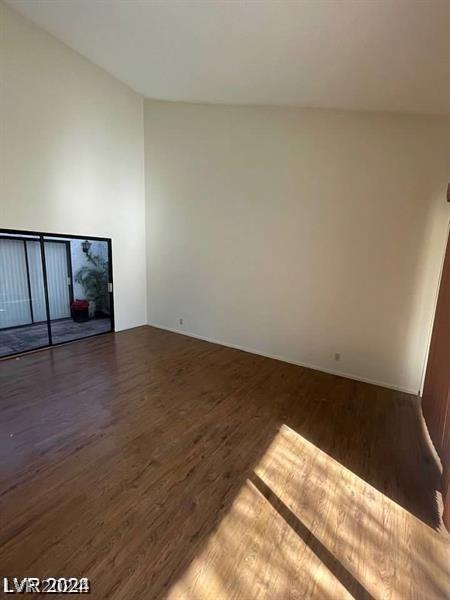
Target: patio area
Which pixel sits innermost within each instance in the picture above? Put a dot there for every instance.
(21, 339)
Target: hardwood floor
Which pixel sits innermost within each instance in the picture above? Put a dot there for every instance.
(160, 466)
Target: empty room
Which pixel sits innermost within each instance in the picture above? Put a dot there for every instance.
(225, 299)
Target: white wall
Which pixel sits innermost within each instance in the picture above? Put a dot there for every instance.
(72, 153)
(298, 233)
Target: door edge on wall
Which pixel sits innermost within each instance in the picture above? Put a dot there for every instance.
(435, 303)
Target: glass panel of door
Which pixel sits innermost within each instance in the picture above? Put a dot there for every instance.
(23, 317)
(78, 287)
(53, 289)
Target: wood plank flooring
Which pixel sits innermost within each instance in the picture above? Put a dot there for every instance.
(160, 466)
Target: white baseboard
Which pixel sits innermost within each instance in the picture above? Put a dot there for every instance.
(384, 384)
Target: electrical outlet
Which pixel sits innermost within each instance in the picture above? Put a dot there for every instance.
(337, 356)
(180, 321)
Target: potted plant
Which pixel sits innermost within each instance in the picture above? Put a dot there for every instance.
(94, 280)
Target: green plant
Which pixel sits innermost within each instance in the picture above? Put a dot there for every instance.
(94, 280)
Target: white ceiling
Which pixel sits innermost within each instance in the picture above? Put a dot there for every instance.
(351, 54)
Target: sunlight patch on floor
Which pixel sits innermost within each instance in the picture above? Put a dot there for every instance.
(304, 526)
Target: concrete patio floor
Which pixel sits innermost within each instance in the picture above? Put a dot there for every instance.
(20, 339)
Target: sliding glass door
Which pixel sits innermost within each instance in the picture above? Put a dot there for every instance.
(53, 289)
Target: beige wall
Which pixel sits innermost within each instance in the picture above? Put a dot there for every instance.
(298, 233)
(72, 153)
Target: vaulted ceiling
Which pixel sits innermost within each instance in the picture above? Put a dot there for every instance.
(352, 54)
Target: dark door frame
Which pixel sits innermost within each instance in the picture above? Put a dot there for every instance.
(40, 236)
(436, 385)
